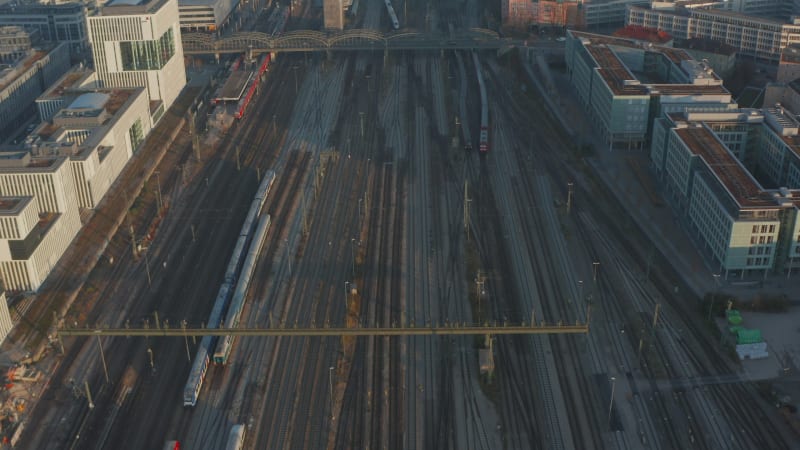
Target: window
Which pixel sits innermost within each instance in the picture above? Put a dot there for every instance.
(751, 251)
(137, 135)
(763, 228)
(768, 250)
(753, 240)
(147, 55)
(772, 228)
(755, 228)
(760, 250)
(749, 261)
(769, 239)
(761, 239)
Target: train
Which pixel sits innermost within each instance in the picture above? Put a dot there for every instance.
(225, 343)
(483, 140)
(392, 15)
(235, 438)
(172, 445)
(200, 365)
(255, 79)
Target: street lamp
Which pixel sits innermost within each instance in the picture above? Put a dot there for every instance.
(580, 290)
(158, 184)
(611, 402)
(330, 385)
(713, 295)
(353, 253)
(595, 266)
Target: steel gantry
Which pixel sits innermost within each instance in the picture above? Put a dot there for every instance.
(436, 330)
(356, 39)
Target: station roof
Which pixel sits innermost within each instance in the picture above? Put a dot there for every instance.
(235, 85)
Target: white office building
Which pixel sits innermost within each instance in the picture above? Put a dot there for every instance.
(38, 217)
(742, 226)
(137, 43)
(98, 129)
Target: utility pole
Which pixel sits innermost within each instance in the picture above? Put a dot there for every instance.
(466, 207)
(361, 113)
(238, 163)
(186, 340)
(102, 357)
(569, 197)
(611, 403)
(330, 386)
(158, 186)
(88, 394)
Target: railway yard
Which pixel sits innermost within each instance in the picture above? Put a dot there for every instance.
(385, 212)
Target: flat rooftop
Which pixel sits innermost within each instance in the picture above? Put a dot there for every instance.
(11, 205)
(23, 66)
(727, 169)
(70, 80)
(125, 7)
(235, 85)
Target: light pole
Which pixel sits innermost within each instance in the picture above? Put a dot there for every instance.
(353, 253)
(158, 185)
(361, 113)
(346, 292)
(147, 269)
(595, 266)
(611, 402)
(330, 385)
(580, 290)
(569, 197)
(713, 295)
(294, 69)
(102, 357)
(288, 256)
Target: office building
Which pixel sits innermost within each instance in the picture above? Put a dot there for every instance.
(705, 162)
(205, 15)
(56, 23)
(604, 72)
(98, 129)
(758, 37)
(137, 43)
(24, 80)
(39, 217)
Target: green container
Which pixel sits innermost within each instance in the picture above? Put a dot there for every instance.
(746, 336)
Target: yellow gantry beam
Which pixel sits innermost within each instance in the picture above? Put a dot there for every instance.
(395, 331)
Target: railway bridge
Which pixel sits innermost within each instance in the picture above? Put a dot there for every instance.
(349, 40)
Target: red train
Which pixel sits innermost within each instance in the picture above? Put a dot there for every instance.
(251, 88)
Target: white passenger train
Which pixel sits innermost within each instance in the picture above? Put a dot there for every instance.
(207, 345)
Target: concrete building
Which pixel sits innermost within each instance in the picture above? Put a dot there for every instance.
(39, 217)
(751, 36)
(603, 13)
(743, 228)
(719, 55)
(5, 317)
(137, 43)
(606, 72)
(99, 130)
(21, 83)
(333, 12)
(16, 43)
(205, 15)
(785, 94)
(62, 23)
